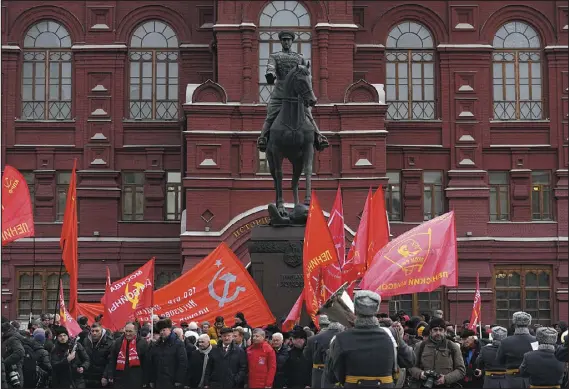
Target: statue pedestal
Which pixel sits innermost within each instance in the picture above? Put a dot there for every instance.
(276, 261)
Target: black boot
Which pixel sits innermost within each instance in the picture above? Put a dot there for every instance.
(263, 139)
(320, 142)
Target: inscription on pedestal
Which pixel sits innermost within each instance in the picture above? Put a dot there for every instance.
(291, 281)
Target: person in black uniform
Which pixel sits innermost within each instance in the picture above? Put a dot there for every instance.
(541, 366)
(512, 349)
(363, 356)
(494, 374)
(317, 348)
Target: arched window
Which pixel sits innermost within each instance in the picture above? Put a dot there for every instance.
(153, 55)
(46, 74)
(517, 73)
(278, 16)
(410, 77)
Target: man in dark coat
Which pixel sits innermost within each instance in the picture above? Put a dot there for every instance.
(494, 373)
(32, 376)
(198, 362)
(541, 366)
(168, 358)
(97, 345)
(298, 369)
(128, 364)
(282, 353)
(512, 350)
(363, 355)
(227, 363)
(69, 361)
(316, 350)
(12, 351)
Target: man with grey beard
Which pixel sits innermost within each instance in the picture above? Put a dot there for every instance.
(316, 350)
(494, 373)
(512, 350)
(363, 355)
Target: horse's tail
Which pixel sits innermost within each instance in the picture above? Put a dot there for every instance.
(292, 138)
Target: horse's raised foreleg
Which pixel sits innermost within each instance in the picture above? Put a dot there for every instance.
(297, 168)
(308, 162)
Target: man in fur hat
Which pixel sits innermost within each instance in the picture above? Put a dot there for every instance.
(541, 366)
(363, 355)
(168, 358)
(317, 347)
(512, 349)
(494, 373)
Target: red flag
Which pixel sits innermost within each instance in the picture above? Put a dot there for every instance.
(17, 213)
(331, 275)
(318, 253)
(378, 235)
(293, 317)
(90, 311)
(420, 260)
(475, 317)
(66, 320)
(68, 241)
(217, 286)
(126, 296)
(354, 266)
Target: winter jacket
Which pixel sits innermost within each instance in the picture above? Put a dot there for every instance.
(99, 353)
(298, 369)
(226, 370)
(214, 333)
(262, 362)
(282, 356)
(168, 362)
(13, 352)
(130, 377)
(43, 361)
(64, 373)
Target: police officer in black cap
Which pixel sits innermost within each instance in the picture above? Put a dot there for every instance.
(363, 356)
(541, 366)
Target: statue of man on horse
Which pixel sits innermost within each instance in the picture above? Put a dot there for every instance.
(278, 67)
(289, 130)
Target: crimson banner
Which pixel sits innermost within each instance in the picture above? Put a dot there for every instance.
(65, 319)
(217, 286)
(124, 297)
(420, 260)
(17, 213)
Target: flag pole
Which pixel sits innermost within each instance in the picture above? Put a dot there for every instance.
(59, 286)
(33, 277)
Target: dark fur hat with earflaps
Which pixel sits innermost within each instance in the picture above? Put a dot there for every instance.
(164, 323)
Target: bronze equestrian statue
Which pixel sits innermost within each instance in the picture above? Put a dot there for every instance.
(289, 130)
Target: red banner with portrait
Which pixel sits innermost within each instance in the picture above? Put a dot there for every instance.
(217, 286)
(17, 211)
(420, 260)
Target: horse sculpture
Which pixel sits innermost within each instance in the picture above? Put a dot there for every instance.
(292, 137)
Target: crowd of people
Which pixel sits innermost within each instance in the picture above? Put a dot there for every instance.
(377, 350)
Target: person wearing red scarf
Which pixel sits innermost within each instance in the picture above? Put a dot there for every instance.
(127, 360)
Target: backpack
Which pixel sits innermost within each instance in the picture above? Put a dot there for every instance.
(29, 367)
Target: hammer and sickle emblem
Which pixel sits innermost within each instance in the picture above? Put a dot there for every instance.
(10, 184)
(134, 300)
(228, 278)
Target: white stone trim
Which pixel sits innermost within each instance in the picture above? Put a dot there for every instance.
(334, 25)
(543, 145)
(398, 145)
(467, 171)
(148, 146)
(464, 46)
(553, 47)
(196, 45)
(103, 239)
(468, 188)
(243, 215)
(54, 146)
(267, 177)
(371, 45)
(234, 25)
(87, 47)
(532, 222)
(560, 291)
(513, 239)
(520, 170)
(11, 47)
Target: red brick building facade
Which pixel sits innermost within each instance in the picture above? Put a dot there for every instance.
(453, 105)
